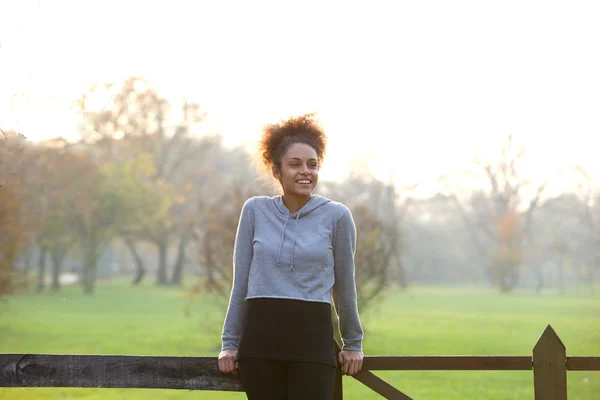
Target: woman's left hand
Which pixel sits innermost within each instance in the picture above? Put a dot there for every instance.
(351, 361)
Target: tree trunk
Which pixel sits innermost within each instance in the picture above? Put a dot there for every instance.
(57, 260)
(510, 282)
(41, 269)
(140, 270)
(179, 262)
(89, 271)
(162, 262)
(507, 276)
(90, 265)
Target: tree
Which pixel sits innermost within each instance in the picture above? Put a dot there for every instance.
(49, 195)
(374, 252)
(227, 181)
(14, 229)
(506, 194)
(560, 239)
(377, 210)
(147, 200)
(13, 235)
(202, 185)
(214, 235)
(508, 253)
(588, 192)
(134, 120)
(109, 199)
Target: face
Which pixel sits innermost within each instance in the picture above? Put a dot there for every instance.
(299, 172)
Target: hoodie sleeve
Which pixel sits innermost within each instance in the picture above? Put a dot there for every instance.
(344, 289)
(242, 259)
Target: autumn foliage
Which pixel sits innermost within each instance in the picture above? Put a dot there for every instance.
(13, 238)
(14, 229)
(509, 253)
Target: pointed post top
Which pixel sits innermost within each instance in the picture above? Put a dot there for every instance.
(549, 338)
(550, 367)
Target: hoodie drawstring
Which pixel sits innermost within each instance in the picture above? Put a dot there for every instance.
(283, 236)
(294, 244)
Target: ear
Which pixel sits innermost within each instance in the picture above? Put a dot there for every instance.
(276, 173)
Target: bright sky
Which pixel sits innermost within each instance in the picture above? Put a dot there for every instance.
(417, 86)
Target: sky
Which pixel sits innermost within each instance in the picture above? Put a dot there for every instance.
(417, 88)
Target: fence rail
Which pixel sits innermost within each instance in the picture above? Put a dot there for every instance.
(549, 364)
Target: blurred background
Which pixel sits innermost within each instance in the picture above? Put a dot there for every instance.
(463, 135)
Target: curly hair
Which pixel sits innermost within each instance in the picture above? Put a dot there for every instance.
(277, 138)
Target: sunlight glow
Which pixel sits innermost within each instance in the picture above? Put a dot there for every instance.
(418, 88)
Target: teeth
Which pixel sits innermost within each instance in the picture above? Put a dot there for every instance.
(303, 181)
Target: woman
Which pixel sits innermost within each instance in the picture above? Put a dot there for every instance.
(293, 259)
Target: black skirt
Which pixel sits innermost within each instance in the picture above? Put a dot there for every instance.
(283, 329)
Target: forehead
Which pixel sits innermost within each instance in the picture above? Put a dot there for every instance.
(301, 150)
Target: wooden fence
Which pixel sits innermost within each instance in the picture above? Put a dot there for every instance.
(548, 362)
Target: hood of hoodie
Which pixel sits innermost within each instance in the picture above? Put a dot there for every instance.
(313, 203)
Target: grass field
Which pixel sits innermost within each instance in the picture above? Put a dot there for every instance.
(423, 321)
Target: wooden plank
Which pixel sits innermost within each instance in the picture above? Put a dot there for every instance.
(380, 386)
(446, 363)
(550, 367)
(583, 363)
(39, 370)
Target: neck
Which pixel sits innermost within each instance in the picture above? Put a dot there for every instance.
(295, 203)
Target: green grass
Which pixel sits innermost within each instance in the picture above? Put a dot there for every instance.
(424, 321)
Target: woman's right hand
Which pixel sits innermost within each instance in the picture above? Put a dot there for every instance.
(227, 361)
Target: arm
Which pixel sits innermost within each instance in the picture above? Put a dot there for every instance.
(242, 258)
(344, 289)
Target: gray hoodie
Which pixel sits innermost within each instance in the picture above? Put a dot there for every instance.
(308, 255)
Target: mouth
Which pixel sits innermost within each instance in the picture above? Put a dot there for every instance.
(304, 181)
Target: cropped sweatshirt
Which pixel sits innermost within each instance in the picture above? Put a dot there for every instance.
(308, 255)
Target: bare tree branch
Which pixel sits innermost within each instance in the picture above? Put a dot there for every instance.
(506, 191)
(473, 225)
(533, 204)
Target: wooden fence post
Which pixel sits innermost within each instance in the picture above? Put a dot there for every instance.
(338, 389)
(550, 367)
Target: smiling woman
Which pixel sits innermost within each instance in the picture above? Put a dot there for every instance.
(293, 260)
(292, 152)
